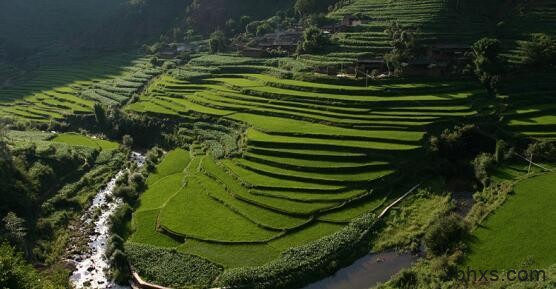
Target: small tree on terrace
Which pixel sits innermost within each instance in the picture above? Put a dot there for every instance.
(305, 7)
(313, 40)
(404, 46)
(540, 51)
(100, 115)
(217, 42)
(488, 64)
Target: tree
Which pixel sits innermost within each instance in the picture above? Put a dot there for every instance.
(488, 65)
(217, 42)
(100, 114)
(540, 51)
(244, 21)
(127, 141)
(444, 234)
(481, 165)
(305, 7)
(231, 27)
(313, 40)
(14, 272)
(15, 229)
(404, 46)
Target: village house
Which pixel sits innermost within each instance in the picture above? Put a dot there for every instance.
(285, 40)
(353, 21)
(367, 65)
(168, 52)
(253, 52)
(423, 67)
(448, 52)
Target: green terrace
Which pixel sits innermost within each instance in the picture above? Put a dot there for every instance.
(312, 157)
(58, 91)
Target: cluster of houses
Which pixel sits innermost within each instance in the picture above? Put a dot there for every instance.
(439, 60)
(287, 41)
(173, 50)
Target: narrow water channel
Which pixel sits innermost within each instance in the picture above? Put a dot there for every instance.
(366, 272)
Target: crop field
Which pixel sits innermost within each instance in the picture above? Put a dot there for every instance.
(85, 141)
(510, 237)
(433, 20)
(532, 110)
(314, 156)
(57, 91)
(45, 139)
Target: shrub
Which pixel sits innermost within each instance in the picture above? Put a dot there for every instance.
(542, 150)
(406, 279)
(503, 151)
(481, 165)
(313, 40)
(137, 181)
(15, 273)
(119, 220)
(488, 65)
(540, 51)
(217, 42)
(442, 236)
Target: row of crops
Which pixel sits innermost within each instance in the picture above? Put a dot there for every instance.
(310, 158)
(531, 110)
(53, 92)
(435, 21)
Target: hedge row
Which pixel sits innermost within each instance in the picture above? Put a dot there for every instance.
(309, 263)
(171, 268)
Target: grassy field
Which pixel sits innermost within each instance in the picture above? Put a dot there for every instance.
(85, 141)
(521, 232)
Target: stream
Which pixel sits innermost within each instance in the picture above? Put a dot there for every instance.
(92, 267)
(367, 272)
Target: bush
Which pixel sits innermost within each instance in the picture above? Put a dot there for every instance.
(16, 273)
(503, 151)
(119, 219)
(481, 165)
(542, 150)
(488, 64)
(406, 279)
(137, 181)
(540, 51)
(442, 236)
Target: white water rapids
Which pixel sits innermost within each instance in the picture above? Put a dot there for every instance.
(92, 268)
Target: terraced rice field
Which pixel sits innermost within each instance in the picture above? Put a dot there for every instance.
(54, 92)
(434, 20)
(85, 141)
(532, 112)
(510, 237)
(312, 156)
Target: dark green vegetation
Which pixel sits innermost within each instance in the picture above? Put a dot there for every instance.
(47, 181)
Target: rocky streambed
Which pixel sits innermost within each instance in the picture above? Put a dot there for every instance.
(92, 267)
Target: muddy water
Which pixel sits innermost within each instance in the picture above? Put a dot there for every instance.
(366, 272)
